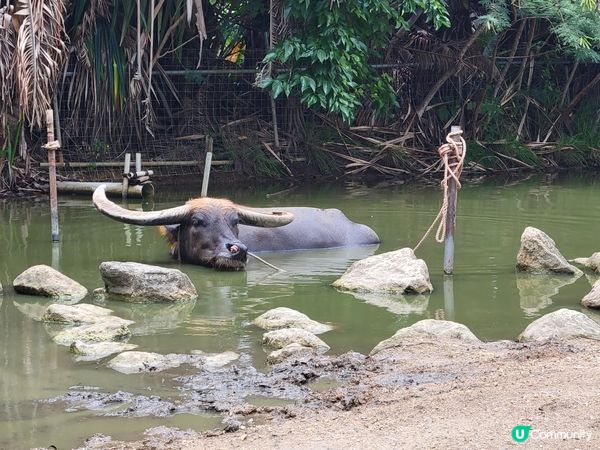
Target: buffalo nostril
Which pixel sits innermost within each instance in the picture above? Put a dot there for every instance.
(233, 249)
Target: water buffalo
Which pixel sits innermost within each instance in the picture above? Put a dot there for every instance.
(218, 233)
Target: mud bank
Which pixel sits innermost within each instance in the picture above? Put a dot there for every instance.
(443, 394)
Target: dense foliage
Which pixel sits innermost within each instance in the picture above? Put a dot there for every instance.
(386, 78)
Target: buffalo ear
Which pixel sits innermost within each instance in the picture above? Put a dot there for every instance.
(170, 232)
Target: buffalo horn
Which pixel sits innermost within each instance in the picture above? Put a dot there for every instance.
(269, 219)
(165, 217)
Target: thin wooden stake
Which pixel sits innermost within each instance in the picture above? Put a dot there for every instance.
(51, 146)
(451, 217)
(126, 169)
(207, 166)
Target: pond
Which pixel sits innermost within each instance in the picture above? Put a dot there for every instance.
(485, 293)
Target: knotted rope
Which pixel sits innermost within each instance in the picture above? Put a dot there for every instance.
(452, 155)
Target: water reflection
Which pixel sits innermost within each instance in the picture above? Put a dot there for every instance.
(396, 304)
(536, 291)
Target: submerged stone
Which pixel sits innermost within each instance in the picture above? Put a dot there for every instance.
(592, 263)
(135, 282)
(427, 330)
(285, 336)
(45, 281)
(294, 349)
(110, 329)
(397, 272)
(561, 324)
(282, 317)
(214, 360)
(81, 313)
(138, 362)
(92, 351)
(538, 254)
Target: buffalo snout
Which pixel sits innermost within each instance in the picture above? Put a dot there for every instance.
(238, 251)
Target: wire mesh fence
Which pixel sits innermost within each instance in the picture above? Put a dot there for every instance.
(255, 135)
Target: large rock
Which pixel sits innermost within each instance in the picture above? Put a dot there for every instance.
(561, 324)
(538, 254)
(45, 281)
(592, 299)
(136, 362)
(110, 329)
(282, 317)
(396, 272)
(81, 313)
(285, 336)
(592, 263)
(295, 349)
(427, 330)
(135, 282)
(92, 351)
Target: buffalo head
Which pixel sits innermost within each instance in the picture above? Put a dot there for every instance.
(202, 231)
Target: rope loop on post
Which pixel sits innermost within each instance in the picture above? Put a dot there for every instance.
(452, 155)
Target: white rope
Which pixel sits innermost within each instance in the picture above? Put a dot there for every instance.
(265, 262)
(453, 158)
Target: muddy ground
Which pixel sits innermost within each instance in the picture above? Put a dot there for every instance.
(445, 394)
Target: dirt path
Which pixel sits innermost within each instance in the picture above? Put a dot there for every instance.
(443, 395)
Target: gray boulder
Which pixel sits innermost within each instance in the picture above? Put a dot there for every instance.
(92, 351)
(294, 349)
(396, 272)
(45, 281)
(81, 313)
(592, 263)
(282, 317)
(538, 254)
(110, 329)
(427, 330)
(285, 336)
(136, 362)
(135, 282)
(561, 324)
(592, 299)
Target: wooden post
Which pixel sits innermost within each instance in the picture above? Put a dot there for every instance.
(207, 166)
(51, 146)
(138, 162)
(126, 169)
(451, 217)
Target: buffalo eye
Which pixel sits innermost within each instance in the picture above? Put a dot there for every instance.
(196, 222)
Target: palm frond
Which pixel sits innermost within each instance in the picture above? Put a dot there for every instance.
(40, 54)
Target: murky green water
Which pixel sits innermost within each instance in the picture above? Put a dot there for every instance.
(485, 293)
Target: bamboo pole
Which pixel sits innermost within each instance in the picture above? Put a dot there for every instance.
(112, 164)
(138, 162)
(207, 165)
(126, 169)
(52, 145)
(112, 189)
(451, 216)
